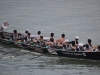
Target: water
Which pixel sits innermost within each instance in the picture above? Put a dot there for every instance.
(72, 17)
(23, 62)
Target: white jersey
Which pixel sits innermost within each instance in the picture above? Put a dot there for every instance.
(46, 38)
(24, 35)
(35, 36)
(15, 36)
(2, 27)
(28, 39)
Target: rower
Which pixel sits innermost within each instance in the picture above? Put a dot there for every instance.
(89, 47)
(73, 46)
(39, 41)
(39, 33)
(28, 38)
(51, 43)
(15, 35)
(78, 47)
(66, 44)
(52, 35)
(48, 38)
(35, 37)
(61, 40)
(76, 40)
(26, 32)
(2, 27)
(90, 44)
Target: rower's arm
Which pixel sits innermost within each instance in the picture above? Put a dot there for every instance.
(73, 47)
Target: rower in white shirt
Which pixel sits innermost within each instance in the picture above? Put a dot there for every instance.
(36, 37)
(2, 27)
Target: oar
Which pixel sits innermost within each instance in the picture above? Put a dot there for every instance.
(1, 48)
(15, 51)
(28, 52)
(53, 52)
(35, 57)
(10, 52)
(5, 47)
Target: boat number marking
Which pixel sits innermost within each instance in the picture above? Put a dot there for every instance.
(84, 54)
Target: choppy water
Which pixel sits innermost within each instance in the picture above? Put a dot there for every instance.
(72, 17)
(23, 62)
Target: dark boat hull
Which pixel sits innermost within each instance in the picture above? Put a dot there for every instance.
(45, 50)
(54, 51)
(85, 55)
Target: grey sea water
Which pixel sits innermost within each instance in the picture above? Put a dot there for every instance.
(72, 17)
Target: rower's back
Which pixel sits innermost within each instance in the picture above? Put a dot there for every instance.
(61, 40)
(73, 46)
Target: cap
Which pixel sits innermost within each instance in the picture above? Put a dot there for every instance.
(76, 37)
(27, 30)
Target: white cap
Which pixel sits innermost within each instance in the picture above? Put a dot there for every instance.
(80, 44)
(27, 30)
(76, 37)
(66, 40)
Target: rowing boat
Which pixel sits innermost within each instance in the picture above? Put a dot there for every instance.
(47, 49)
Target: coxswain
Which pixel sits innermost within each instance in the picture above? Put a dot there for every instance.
(4, 26)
